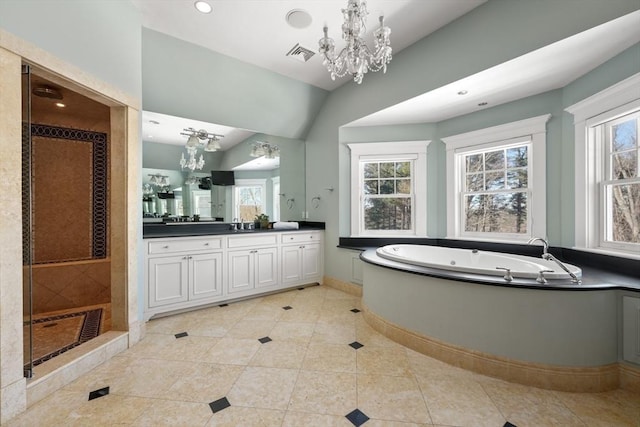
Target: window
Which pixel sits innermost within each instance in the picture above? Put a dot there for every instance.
(607, 185)
(275, 183)
(201, 202)
(388, 189)
(490, 182)
(249, 198)
(495, 190)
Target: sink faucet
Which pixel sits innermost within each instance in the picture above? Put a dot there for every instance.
(549, 257)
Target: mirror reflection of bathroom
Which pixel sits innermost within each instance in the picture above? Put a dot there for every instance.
(195, 170)
(66, 256)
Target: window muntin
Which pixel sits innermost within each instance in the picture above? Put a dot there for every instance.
(388, 195)
(620, 186)
(495, 190)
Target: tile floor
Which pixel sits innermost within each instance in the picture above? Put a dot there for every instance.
(218, 372)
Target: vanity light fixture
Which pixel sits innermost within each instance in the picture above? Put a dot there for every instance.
(203, 6)
(356, 58)
(197, 139)
(260, 148)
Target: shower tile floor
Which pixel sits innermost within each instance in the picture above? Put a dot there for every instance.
(58, 331)
(216, 367)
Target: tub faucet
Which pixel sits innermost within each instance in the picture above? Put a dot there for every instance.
(545, 245)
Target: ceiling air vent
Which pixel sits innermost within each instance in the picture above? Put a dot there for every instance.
(300, 53)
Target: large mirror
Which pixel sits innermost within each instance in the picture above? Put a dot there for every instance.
(268, 172)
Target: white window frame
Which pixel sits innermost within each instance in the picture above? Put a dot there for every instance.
(604, 106)
(275, 186)
(415, 151)
(249, 183)
(532, 129)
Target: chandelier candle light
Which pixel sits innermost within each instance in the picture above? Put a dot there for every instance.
(356, 58)
(196, 140)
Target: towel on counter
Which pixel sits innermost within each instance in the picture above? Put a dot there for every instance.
(285, 225)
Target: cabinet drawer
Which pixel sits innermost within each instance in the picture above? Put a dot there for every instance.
(251, 241)
(300, 237)
(172, 246)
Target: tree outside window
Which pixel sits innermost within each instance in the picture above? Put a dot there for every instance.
(496, 190)
(388, 196)
(622, 184)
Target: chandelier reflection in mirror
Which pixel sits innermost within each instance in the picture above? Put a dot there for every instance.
(356, 58)
(197, 139)
(158, 180)
(260, 148)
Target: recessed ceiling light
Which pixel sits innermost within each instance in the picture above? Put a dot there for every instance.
(60, 104)
(463, 92)
(298, 18)
(203, 6)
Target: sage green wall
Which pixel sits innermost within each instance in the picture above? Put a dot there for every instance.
(186, 80)
(100, 37)
(167, 156)
(493, 33)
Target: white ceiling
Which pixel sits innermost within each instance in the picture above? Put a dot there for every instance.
(256, 31)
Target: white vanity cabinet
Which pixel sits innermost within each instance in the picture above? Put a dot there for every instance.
(182, 272)
(301, 258)
(186, 272)
(252, 263)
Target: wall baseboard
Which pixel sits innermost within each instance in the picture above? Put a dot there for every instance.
(347, 287)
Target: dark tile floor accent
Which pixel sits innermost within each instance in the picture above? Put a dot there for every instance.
(356, 345)
(265, 340)
(301, 289)
(223, 305)
(357, 417)
(99, 393)
(219, 405)
(182, 335)
(508, 424)
(354, 310)
(287, 307)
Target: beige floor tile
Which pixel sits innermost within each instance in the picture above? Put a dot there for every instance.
(366, 335)
(51, 411)
(382, 361)
(164, 325)
(175, 414)
(151, 346)
(259, 387)
(301, 313)
(280, 354)
(235, 416)
(614, 408)
(266, 312)
(206, 383)
(232, 351)
(251, 329)
(108, 410)
(385, 423)
(334, 333)
(216, 327)
(528, 406)
(391, 398)
(292, 331)
(330, 358)
(149, 377)
(189, 348)
(102, 376)
(324, 393)
(297, 419)
(460, 402)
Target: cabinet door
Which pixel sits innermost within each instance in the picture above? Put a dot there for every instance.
(168, 278)
(205, 272)
(266, 267)
(291, 264)
(241, 271)
(311, 263)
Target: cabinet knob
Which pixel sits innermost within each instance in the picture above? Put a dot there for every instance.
(166, 246)
(206, 244)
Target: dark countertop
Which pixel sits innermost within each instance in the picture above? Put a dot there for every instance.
(189, 229)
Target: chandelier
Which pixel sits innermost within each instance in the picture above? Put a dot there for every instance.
(356, 58)
(269, 151)
(160, 181)
(197, 139)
